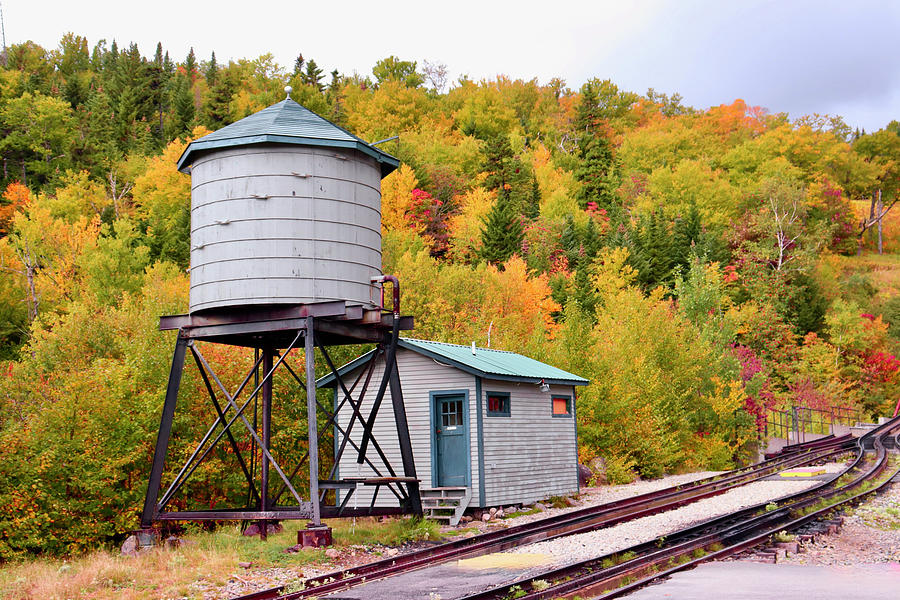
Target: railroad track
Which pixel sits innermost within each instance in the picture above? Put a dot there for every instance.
(615, 575)
(574, 522)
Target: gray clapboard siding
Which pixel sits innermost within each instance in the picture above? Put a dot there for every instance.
(419, 375)
(529, 455)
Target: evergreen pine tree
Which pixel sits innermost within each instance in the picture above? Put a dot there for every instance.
(596, 170)
(570, 241)
(533, 208)
(158, 78)
(806, 306)
(313, 75)
(686, 236)
(334, 98)
(298, 66)
(502, 234)
(97, 56)
(212, 70)
(591, 240)
(585, 294)
(99, 149)
(508, 175)
(654, 258)
(75, 89)
(217, 110)
(125, 110)
(182, 102)
(111, 58)
(190, 65)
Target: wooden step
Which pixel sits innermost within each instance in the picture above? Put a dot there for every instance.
(445, 499)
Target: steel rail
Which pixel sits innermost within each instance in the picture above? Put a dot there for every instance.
(579, 521)
(737, 531)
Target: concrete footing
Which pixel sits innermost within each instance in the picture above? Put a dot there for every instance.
(315, 537)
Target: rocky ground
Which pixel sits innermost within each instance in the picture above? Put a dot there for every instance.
(870, 535)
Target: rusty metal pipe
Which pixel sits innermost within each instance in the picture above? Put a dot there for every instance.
(395, 290)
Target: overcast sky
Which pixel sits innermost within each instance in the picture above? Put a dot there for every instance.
(796, 56)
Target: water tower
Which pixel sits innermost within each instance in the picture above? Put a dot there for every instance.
(286, 255)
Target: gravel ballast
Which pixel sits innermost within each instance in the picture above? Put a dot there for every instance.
(583, 546)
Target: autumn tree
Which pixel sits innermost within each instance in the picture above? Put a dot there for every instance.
(882, 150)
(403, 71)
(37, 137)
(15, 198)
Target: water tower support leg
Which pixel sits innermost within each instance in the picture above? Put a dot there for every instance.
(409, 464)
(165, 431)
(311, 421)
(316, 534)
(266, 431)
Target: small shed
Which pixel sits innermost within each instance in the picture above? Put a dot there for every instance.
(495, 425)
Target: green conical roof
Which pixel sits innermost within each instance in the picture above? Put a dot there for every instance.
(284, 123)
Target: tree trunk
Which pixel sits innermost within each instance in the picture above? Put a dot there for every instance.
(32, 293)
(880, 209)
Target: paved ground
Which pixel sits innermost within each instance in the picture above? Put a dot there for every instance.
(741, 580)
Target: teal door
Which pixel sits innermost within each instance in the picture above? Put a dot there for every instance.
(450, 428)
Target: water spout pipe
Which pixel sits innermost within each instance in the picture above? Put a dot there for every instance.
(395, 283)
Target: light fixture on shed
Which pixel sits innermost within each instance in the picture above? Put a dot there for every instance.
(544, 386)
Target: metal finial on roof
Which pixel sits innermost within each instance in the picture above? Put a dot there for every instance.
(287, 90)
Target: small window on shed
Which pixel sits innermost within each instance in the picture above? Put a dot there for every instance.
(562, 406)
(497, 404)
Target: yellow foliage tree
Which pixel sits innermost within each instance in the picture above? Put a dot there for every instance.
(558, 188)
(396, 195)
(466, 225)
(47, 251)
(162, 198)
(392, 109)
(78, 197)
(518, 307)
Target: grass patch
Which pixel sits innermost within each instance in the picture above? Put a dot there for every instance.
(783, 536)
(521, 513)
(394, 532)
(557, 502)
(207, 560)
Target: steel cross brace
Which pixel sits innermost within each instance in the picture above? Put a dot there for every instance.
(152, 507)
(332, 421)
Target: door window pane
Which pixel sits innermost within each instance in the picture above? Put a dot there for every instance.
(451, 413)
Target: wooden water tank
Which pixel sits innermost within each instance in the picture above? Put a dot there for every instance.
(285, 209)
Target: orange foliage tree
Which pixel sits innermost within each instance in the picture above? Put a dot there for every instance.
(15, 198)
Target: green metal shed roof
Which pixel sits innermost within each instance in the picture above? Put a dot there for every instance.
(284, 123)
(484, 362)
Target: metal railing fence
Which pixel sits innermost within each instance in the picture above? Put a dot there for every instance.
(798, 422)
